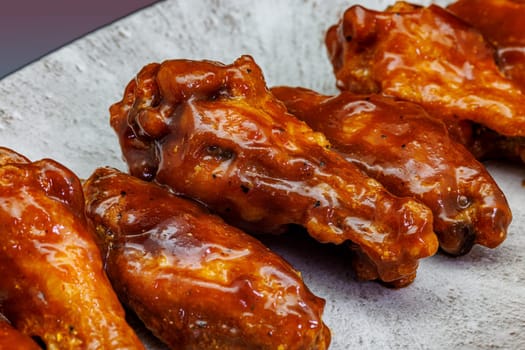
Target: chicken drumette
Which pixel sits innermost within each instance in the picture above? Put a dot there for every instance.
(428, 56)
(53, 286)
(213, 132)
(411, 154)
(195, 281)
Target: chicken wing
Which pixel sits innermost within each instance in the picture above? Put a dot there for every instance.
(428, 56)
(12, 339)
(195, 281)
(411, 154)
(53, 286)
(501, 23)
(213, 132)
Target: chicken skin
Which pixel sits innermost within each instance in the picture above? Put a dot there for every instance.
(486, 144)
(213, 132)
(428, 56)
(195, 281)
(11, 339)
(501, 23)
(53, 285)
(411, 154)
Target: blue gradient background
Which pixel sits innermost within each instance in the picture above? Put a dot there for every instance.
(30, 29)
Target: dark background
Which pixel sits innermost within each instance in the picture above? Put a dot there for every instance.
(29, 29)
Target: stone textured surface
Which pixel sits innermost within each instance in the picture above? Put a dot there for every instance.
(57, 107)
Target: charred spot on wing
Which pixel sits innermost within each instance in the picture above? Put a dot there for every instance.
(219, 153)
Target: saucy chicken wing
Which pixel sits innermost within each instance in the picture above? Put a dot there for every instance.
(501, 23)
(411, 154)
(195, 281)
(428, 56)
(213, 132)
(53, 286)
(12, 339)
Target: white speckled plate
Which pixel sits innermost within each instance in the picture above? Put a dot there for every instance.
(58, 108)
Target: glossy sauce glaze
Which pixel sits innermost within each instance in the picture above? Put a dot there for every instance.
(411, 154)
(195, 281)
(501, 23)
(53, 285)
(214, 133)
(428, 56)
(12, 339)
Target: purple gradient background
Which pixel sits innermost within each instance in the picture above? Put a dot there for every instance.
(30, 29)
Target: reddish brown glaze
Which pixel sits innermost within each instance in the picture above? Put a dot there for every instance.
(9, 156)
(411, 154)
(213, 132)
(195, 281)
(53, 285)
(501, 22)
(428, 56)
(12, 339)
